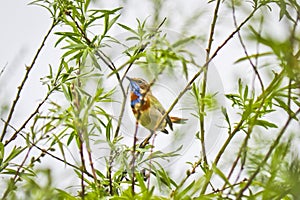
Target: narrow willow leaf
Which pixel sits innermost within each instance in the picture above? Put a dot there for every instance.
(253, 56)
(128, 28)
(217, 171)
(141, 182)
(183, 41)
(113, 21)
(86, 4)
(14, 152)
(1, 152)
(185, 69)
(185, 191)
(265, 124)
(224, 111)
(94, 59)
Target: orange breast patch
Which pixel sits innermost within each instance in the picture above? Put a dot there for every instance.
(144, 107)
(133, 96)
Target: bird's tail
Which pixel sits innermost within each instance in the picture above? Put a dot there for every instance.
(178, 120)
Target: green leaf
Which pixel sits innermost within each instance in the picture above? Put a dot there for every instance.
(185, 69)
(186, 190)
(265, 124)
(86, 4)
(142, 184)
(72, 51)
(217, 171)
(77, 46)
(108, 130)
(57, 141)
(285, 107)
(245, 96)
(128, 29)
(1, 152)
(95, 61)
(253, 56)
(70, 139)
(224, 111)
(59, 40)
(236, 100)
(65, 195)
(183, 41)
(14, 152)
(67, 92)
(112, 22)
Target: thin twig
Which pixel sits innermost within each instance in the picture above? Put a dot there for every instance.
(83, 33)
(134, 158)
(244, 144)
(36, 111)
(276, 142)
(112, 66)
(80, 132)
(228, 187)
(188, 174)
(83, 168)
(241, 150)
(134, 153)
(150, 161)
(204, 83)
(24, 80)
(245, 49)
(3, 69)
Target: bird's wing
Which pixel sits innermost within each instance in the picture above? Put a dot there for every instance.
(160, 108)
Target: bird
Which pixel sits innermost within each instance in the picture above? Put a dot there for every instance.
(147, 109)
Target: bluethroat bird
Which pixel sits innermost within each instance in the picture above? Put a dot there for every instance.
(147, 109)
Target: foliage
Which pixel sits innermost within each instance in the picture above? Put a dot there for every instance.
(74, 124)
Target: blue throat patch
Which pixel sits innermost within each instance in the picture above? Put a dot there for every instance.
(135, 88)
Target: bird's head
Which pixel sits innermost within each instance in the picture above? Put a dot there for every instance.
(138, 85)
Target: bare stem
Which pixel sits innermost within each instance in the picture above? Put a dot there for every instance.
(82, 165)
(36, 111)
(134, 158)
(245, 49)
(204, 82)
(24, 80)
(150, 161)
(2, 70)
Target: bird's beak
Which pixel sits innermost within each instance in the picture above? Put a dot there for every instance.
(130, 82)
(133, 85)
(128, 78)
